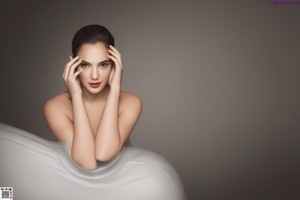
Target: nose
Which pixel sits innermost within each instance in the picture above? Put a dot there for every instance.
(95, 73)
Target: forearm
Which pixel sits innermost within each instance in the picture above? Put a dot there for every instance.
(107, 138)
(83, 147)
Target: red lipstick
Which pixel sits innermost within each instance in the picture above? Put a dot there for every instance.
(95, 85)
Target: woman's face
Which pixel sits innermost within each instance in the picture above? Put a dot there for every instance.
(95, 66)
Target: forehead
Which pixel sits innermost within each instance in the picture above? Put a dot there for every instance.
(93, 53)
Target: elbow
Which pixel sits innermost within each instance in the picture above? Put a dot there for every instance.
(90, 167)
(104, 156)
(107, 153)
(85, 164)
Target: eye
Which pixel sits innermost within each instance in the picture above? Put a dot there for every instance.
(83, 65)
(104, 65)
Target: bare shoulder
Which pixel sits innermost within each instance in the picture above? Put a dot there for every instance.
(130, 101)
(61, 102)
(128, 96)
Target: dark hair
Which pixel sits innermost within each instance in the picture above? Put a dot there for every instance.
(91, 34)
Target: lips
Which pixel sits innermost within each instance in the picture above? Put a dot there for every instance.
(94, 85)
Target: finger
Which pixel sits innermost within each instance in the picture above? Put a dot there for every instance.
(71, 72)
(69, 64)
(111, 74)
(115, 50)
(72, 68)
(73, 60)
(112, 71)
(114, 59)
(117, 57)
(77, 73)
(65, 67)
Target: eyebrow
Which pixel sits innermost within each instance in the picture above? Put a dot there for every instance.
(104, 61)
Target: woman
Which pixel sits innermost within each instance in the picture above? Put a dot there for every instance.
(94, 115)
(92, 121)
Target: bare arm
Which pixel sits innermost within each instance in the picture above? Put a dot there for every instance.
(83, 148)
(78, 134)
(107, 138)
(114, 129)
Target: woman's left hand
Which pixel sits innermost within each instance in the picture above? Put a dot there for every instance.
(115, 77)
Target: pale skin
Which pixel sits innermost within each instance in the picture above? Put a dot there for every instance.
(95, 121)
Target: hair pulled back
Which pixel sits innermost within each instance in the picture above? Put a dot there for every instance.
(91, 34)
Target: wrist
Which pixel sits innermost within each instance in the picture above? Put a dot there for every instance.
(115, 87)
(76, 96)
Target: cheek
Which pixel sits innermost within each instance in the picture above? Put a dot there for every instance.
(108, 72)
(82, 75)
(104, 71)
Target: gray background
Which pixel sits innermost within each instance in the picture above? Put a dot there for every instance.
(219, 82)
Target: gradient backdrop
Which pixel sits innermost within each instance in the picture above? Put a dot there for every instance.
(219, 82)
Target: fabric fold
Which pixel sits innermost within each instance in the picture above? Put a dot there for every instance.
(40, 169)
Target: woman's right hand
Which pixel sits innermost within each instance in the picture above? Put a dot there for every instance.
(70, 77)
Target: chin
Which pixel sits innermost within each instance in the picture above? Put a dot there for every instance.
(95, 90)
